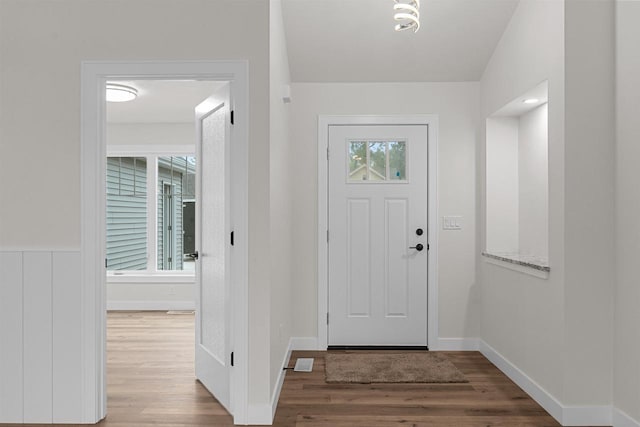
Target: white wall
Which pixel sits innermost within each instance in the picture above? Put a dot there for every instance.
(523, 316)
(44, 43)
(502, 185)
(627, 292)
(129, 294)
(281, 198)
(456, 104)
(558, 331)
(589, 201)
(533, 182)
(151, 134)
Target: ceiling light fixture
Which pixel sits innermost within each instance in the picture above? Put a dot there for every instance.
(408, 13)
(531, 101)
(120, 93)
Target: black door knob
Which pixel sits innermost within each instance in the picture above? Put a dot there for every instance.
(417, 247)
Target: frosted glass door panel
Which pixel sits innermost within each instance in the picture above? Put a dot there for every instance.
(213, 353)
(213, 236)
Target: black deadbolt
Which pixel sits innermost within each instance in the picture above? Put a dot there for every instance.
(419, 231)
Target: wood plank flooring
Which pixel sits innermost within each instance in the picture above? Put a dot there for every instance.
(151, 383)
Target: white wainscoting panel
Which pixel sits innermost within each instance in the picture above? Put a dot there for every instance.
(40, 337)
(37, 337)
(11, 382)
(67, 338)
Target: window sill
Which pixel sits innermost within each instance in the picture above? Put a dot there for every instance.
(133, 277)
(533, 266)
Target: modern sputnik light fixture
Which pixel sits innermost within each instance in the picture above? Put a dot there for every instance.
(121, 93)
(407, 13)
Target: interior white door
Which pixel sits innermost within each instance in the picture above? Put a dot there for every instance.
(378, 239)
(213, 356)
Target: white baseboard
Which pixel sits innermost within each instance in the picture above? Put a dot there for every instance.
(275, 395)
(620, 419)
(264, 414)
(150, 305)
(458, 344)
(565, 415)
(304, 343)
(540, 395)
(259, 414)
(586, 415)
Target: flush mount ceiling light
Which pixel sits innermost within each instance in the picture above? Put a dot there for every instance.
(407, 12)
(120, 93)
(531, 101)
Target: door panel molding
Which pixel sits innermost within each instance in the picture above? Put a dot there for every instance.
(324, 122)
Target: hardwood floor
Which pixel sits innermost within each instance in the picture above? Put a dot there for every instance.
(151, 382)
(489, 399)
(150, 373)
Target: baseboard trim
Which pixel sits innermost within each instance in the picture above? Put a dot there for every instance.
(458, 344)
(150, 305)
(304, 343)
(540, 395)
(565, 415)
(275, 396)
(259, 414)
(587, 415)
(621, 419)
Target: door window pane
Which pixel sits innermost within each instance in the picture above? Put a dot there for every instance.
(176, 212)
(357, 160)
(377, 161)
(397, 160)
(126, 213)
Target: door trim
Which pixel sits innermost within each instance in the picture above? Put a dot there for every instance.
(324, 121)
(94, 75)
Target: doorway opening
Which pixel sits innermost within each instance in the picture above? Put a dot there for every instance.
(159, 146)
(160, 247)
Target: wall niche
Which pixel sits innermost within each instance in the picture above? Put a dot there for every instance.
(517, 181)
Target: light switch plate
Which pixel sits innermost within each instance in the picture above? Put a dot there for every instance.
(452, 222)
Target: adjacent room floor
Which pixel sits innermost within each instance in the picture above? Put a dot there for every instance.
(151, 382)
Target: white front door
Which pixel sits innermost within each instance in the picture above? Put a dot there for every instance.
(213, 349)
(378, 239)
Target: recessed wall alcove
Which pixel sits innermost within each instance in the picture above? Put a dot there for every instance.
(517, 196)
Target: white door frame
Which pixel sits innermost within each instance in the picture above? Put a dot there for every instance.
(323, 219)
(93, 155)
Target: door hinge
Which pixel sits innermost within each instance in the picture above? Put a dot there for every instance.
(232, 239)
(232, 358)
(327, 318)
(327, 236)
(106, 263)
(327, 153)
(169, 228)
(232, 118)
(169, 260)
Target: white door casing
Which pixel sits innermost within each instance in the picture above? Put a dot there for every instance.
(212, 340)
(93, 143)
(324, 123)
(378, 263)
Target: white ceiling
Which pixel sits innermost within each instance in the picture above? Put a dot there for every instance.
(161, 101)
(351, 41)
(354, 40)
